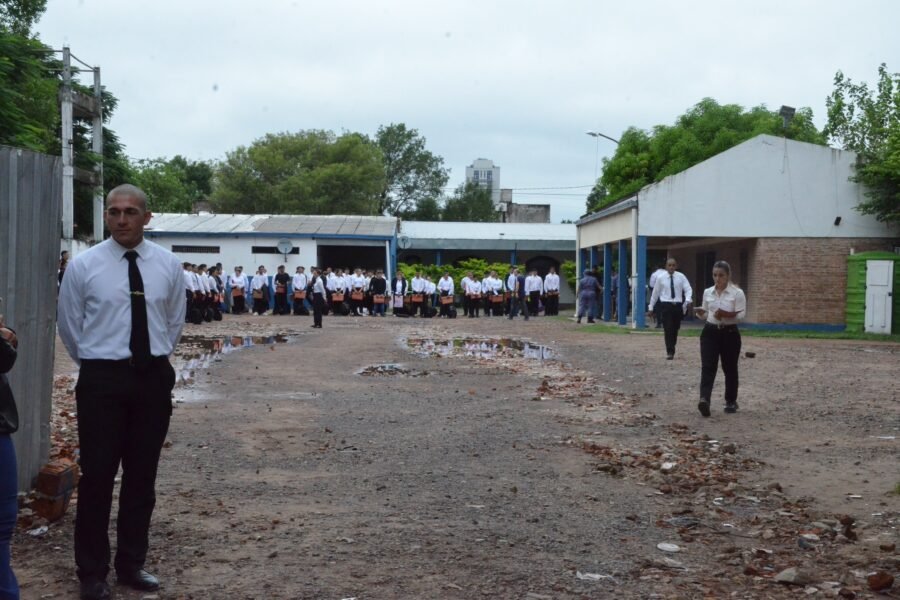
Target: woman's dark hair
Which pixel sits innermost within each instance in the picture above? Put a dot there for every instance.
(721, 264)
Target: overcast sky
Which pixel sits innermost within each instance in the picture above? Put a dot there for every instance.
(516, 82)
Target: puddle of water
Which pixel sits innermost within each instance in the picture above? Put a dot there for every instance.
(481, 348)
(389, 370)
(195, 352)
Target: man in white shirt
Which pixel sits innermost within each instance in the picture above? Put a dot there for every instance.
(674, 293)
(492, 288)
(473, 291)
(654, 277)
(189, 288)
(238, 284)
(357, 288)
(465, 298)
(260, 287)
(551, 289)
(121, 313)
(510, 284)
(445, 288)
(417, 285)
(299, 283)
(534, 287)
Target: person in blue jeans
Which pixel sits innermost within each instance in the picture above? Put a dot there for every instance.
(9, 423)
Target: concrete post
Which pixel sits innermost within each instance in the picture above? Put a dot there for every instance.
(97, 147)
(68, 156)
(622, 296)
(607, 281)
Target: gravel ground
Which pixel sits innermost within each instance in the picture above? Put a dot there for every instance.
(407, 458)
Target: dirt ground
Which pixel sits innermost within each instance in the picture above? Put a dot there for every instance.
(407, 458)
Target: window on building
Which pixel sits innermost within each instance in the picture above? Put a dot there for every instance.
(195, 249)
(476, 175)
(271, 250)
(490, 175)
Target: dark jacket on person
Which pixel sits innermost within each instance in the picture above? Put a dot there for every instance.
(9, 416)
(378, 285)
(394, 285)
(521, 280)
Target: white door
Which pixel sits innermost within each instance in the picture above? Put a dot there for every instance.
(879, 287)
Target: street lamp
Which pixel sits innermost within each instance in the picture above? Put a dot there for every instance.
(597, 135)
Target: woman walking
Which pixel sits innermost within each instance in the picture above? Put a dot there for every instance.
(724, 306)
(9, 423)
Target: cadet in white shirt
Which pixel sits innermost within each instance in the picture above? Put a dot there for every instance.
(551, 290)
(299, 283)
(473, 291)
(260, 286)
(534, 287)
(417, 285)
(463, 283)
(674, 293)
(724, 306)
(189, 289)
(238, 284)
(121, 313)
(493, 291)
(445, 288)
(654, 277)
(357, 288)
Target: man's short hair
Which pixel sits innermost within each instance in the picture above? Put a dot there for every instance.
(126, 189)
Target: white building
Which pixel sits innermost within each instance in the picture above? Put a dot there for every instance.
(782, 213)
(485, 173)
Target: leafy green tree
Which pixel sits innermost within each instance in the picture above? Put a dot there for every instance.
(868, 122)
(17, 16)
(173, 185)
(309, 172)
(428, 209)
(705, 130)
(413, 175)
(470, 202)
(29, 109)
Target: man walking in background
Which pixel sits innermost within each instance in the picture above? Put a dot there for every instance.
(674, 293)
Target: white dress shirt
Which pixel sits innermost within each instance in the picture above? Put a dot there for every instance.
(319, 287)
(663, 290)
(551, 282)
(94, 314)
(731, 299)
(446, 285)
(655, 276)
(358, 282)
(238, 281)
(189, 284)
(418, 285)
(299, 281)
(260, 281)
(399, 284)
(511, 282)
(533, 283)
(463, 283)
(473, 287)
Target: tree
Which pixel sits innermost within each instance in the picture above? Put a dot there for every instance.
(17, 16)
(705, 130)
(868, 122)
(309, 172)
(470, 202)
(174, 185)
(428, 209)
(413, 175)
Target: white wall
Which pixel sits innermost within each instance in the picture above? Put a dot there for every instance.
(237, 251)
(609, 229)
(765, 187)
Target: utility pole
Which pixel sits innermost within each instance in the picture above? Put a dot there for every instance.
(74, 103)
(68, 151)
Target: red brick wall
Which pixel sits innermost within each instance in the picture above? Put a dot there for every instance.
(802, 280)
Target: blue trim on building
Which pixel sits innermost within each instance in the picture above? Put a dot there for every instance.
(437, 258)
(607, 281)
(595, 257)
(272, 234)
(638, 314)
(622, 291)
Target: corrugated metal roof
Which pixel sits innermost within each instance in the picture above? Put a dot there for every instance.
(277, 224)
(487, 231)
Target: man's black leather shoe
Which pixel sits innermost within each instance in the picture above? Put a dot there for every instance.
(94, 589)
(139, 580)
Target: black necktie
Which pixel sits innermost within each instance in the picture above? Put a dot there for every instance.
(672, 286)
(140, 334)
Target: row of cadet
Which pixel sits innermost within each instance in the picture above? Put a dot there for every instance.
(210, 293)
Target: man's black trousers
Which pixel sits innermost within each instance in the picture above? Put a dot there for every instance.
(123, 417)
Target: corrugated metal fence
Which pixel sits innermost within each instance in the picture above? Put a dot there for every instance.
(30, 204)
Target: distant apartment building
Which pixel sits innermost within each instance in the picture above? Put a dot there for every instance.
(485, 173)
